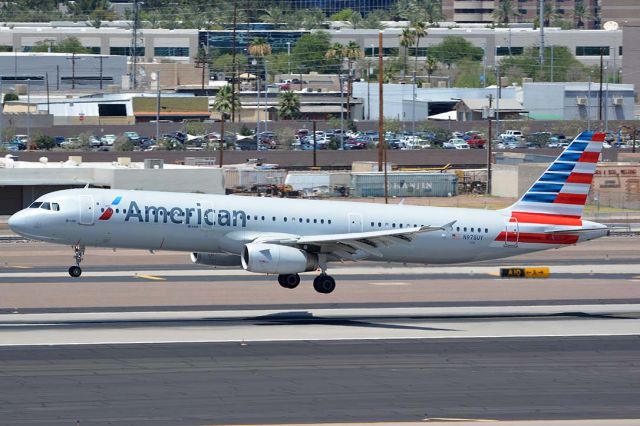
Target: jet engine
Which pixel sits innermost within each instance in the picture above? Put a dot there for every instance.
(216, 259)
(277, 259)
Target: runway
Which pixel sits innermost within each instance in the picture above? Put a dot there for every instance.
(146, 339)
(307, 382)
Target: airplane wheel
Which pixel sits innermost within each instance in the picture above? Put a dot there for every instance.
(289, 281)
(324, 284)
(75, 271)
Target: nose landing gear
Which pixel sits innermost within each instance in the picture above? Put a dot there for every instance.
(76, 271)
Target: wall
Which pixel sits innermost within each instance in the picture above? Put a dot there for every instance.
(631, 63)
(202, 180)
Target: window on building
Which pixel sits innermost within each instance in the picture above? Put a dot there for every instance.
(504, 51)
(171, 51)
(592, 50)
(125, 51)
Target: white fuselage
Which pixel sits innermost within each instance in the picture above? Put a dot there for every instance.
(224, 224)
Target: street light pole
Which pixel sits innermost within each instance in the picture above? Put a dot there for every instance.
(289, 59)
(158, 109)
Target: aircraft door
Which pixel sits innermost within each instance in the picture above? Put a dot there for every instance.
(512, 232)
(86, 210)
(355, 222)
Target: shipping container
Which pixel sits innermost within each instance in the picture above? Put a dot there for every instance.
(404, 184)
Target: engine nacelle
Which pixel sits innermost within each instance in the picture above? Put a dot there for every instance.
(216, 259)
(277, 259)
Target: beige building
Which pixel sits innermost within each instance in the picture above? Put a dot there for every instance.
(624, 12)
(481, 11)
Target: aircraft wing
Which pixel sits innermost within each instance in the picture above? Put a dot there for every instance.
(356, 244)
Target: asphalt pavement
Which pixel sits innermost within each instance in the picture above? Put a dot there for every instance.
(313, 382)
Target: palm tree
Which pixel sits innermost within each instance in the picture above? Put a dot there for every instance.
(432, 65)
(580, 13)
(549, 13)
(432, 11)
(259, 47)
(273, 15)
(419, 31)
(355, 19)
(289, 105)
(503, 13)
(352, 52)
(407, 38)
(224, 103)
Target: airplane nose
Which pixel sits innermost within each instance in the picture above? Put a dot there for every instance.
(18, 222)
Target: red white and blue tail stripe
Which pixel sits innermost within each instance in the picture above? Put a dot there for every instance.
(563, 188)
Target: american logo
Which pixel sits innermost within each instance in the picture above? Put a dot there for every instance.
(106, 215)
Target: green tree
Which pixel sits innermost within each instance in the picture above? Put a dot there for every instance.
(44, 142)
(355, 20)
(565, 66)
(273, 15)
(419, 31)
(469, 74)
(224, 63)
(225, 99)
(374, 18)
(407, 39)
(259, 47)
(68, 45)
(342, 15)
(580, 14)
(309, 53)
(504, 12)
(549, 13)
(454, 49)
(8, 97)
(289, 105)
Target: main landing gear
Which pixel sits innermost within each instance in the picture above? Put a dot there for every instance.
(323, 283)
(289, 280)
(76, 271)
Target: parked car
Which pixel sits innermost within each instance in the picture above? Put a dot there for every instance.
(454, 143)
(511, 134)
(476, 142)
(108, 140)
(132, 136)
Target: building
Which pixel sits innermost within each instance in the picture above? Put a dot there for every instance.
(623, 12)
(62, 71)
(398, 100)
(631, 65)
(22, 182)
(578, 101)
(482, 11)
(480, 109)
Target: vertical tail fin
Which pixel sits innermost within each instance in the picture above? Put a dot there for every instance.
(563, 188)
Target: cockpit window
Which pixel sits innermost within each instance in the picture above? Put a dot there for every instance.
(46, 206)
(35, 205)
(55, 207)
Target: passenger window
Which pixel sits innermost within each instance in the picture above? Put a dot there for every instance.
(372, 224)
(315, 220)
(471, 229)
(458, 228)
(274, 218)
(393, 225)
(465, 229)
(329, 221)
(321, 220)
(46, 206)
(379, 224)
(486, 230)
(262, 217)
(300, 220)
(285, 219)
(308, 220)
(400, 225)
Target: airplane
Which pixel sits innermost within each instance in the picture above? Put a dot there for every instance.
(290, 236)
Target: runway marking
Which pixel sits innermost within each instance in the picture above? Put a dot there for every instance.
(453, 419)
(18, 267)
(390, 284)
(150, 277)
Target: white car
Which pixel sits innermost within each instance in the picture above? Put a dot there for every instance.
(508, 134)
(108, 139)
(455, 143)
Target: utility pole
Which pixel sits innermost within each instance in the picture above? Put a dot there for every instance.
(589, 105)
(341, 111)
(551, 63)
(541, 19)
(2, 111)
(134, 44)
(101, 68)
(158, 108)
(233, 61)
(382, 146)
(489, 146)
(314, 144)
(202, 61)
(28, 113)
(46, 79)
(221, 148)
(73, 60)
(600, 89)
(498, 100)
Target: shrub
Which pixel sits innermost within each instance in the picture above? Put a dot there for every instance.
(123, 143)
(44, 142)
